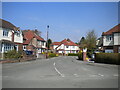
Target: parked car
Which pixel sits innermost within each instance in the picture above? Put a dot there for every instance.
(29, 52)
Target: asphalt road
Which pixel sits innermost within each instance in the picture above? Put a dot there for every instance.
(59, 72)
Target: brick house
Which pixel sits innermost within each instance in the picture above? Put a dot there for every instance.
(10, 37)
(111, 40)
(33, 42)
(65, 46)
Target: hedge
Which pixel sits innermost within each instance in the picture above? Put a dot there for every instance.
(72, 54)
(109, 58)
(52, 55)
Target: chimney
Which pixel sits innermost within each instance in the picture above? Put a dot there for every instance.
(12, 36)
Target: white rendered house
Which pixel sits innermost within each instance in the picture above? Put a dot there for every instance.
(10, 37)
(111, 40)
(65, 46)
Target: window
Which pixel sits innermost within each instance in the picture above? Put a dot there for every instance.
(67, 46)
(24, 47)
(5, 32)
(7, 47)
(42, 43)
(17, 33)
(73, 51)
(108, 51)
(109, 38)
(73, 46)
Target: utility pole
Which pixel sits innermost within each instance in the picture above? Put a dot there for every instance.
(47, 39)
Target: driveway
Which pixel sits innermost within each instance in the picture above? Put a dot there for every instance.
(59, 72)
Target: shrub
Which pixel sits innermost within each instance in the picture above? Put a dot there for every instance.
(110, 58)
(80, 56)
(13, 54)
(72, 54)
(52, 55)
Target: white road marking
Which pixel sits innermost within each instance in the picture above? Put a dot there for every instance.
(76, 75)
(100, 75)
(58, 70)
(116, 75)
(93, 75)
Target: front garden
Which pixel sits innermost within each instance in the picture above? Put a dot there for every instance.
(108, 58)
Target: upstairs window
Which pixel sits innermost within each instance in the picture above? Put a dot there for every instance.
(17, 33)
(109, 38)
(39, 43)
(67, 46)
(5, 32)
(42, 43)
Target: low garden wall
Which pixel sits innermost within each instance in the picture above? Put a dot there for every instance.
(28, 58)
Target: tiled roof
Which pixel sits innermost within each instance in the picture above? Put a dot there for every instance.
(114, 29)
(56, 43)
(29, 35)
(65, 42)
(68, 42)
(6, 24)
(39, 38)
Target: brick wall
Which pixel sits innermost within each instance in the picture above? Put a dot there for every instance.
(27, 58)
(116, 48)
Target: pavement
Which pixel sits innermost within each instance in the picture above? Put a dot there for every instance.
(59, 72)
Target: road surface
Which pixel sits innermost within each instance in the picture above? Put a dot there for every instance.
(59, 72)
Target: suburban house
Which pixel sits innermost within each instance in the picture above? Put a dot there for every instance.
(65, 46)
(10, 37)
(99, 44)
(111, 40)
(33, 42)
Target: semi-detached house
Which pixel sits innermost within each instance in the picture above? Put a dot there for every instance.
(65, 46)
(10, 37)
(33, 42)
(111, 40)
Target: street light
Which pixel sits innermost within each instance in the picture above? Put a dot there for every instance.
(47, 40)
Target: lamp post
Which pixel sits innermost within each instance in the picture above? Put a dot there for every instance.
(47, 40)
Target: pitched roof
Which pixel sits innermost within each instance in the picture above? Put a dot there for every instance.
(68, 42)
(29, 35)
(6, 24)
(56, 43)
(113, 30)
(65, 42)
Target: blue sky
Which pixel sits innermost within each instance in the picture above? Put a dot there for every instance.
(66, 19)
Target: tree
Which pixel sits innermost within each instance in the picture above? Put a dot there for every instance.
(48, 43)
(81, 42)
(89, 42)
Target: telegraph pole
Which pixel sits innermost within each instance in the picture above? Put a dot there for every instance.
(47, 39)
